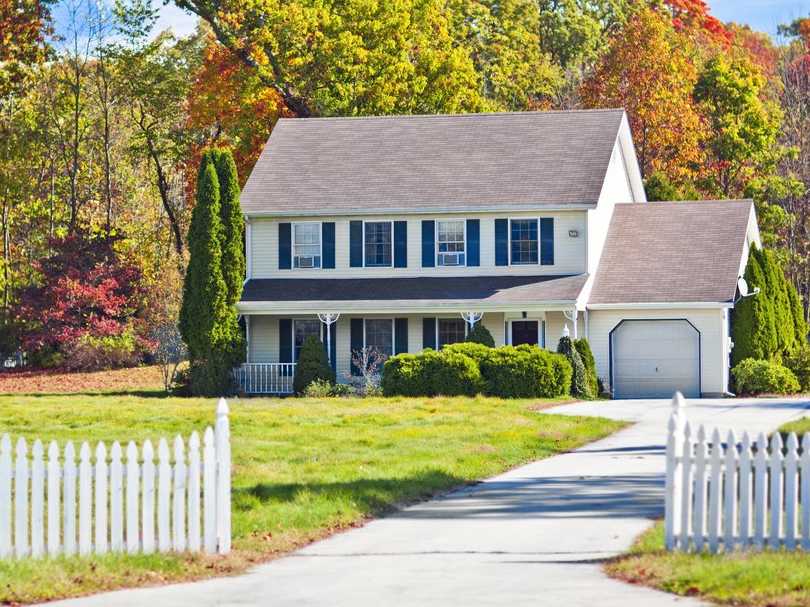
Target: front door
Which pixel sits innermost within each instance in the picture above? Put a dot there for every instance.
(524, 332)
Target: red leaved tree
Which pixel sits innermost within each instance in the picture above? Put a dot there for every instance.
(87, 296)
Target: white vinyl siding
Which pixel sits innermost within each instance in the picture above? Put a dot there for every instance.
(569, 252)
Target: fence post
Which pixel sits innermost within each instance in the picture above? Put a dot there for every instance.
(791, 493)
(53, 499)
(37, 500)
(673, 481)
(5, 496)
(101, 498)
(223, 451)
(699, 518)
(805, 491)
(775, 506)
(21, 500)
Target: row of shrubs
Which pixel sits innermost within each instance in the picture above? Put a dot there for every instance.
(469, 368)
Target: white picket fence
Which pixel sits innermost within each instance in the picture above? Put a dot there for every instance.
(734, 495)
(122, 505)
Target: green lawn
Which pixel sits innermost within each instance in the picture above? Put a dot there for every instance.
(754, 579)
(303, 468)
(800, 426)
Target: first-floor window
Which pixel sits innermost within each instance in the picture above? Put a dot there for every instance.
(380, 335)
(523, 236)
(451, 331)
(303, 329)
(307, 245)
(378, 243)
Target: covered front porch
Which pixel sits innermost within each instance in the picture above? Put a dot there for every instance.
(423, 315)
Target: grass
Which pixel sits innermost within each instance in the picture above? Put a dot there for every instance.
(799, 426)
(303, 468)
(755, 579)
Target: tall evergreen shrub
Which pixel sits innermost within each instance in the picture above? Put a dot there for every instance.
(584, 349)
(233, 224)
(207, 322)
(580, 387)
(753, 324)
(312, 364)
(481, 335)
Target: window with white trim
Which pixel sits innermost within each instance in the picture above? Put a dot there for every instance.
(450, 243)
(378, 243)
(302, 329)
(523, 242)
(451, 331)
(306, 245)
(380, 335)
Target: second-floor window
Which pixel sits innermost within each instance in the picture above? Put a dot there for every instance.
(306, 245)
(523, 238)
(377, 243)
(450, 245)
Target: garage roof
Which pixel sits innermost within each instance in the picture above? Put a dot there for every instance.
(411, 164)
(660, 252)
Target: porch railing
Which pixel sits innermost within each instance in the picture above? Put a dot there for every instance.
(265, 378)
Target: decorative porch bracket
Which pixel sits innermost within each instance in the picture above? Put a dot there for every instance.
(328, 318)
(471, 318)
(572, 316)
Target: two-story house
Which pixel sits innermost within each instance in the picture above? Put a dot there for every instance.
(405, 228)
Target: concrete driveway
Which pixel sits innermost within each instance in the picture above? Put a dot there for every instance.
(535, 535)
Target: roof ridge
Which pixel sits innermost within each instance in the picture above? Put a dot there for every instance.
(452, 115)
(685, 202)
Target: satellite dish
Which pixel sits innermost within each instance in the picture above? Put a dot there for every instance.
(742, 286)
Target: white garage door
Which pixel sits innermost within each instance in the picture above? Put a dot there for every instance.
(654, 358)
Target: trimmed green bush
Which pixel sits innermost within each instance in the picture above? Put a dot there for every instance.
(525, 372)
(580, 387)
(477, 351)
(754, 376)
(312, 364)
(799, 363)
(450, 373)
(481, 335)
(403, 375)
(586, 354)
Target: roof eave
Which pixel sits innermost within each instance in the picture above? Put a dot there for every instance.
(398, 306)
(540, 207)
(663, 305)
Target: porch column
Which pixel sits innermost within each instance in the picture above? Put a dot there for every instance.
(328, 318)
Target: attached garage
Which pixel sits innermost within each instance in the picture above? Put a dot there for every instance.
(654, 358)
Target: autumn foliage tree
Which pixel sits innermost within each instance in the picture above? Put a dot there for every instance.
(647, 71)
(85, 303)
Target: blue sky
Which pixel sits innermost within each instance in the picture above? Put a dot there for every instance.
(763, 15)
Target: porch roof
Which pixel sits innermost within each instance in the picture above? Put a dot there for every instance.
(348, 294)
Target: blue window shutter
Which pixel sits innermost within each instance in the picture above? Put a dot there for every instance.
(356, 333)
(328, 244)
(501, 242)
(429, 333)
(473, 242)
(400, 335)
(284, 246)
(428, 243)
(400, 244)
(285, 349)
(333, 346)
(356, 244)
(547, 241)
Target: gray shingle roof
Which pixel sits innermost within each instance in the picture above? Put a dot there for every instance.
(487, 289)
(432, 163)
(672, 252)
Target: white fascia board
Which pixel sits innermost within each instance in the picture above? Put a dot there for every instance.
(695, 305)
(398, 306)
(544, 208)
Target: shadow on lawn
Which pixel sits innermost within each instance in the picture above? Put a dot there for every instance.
(139, 393)
(370, 496)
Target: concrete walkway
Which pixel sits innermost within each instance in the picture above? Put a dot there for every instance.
(534, 536)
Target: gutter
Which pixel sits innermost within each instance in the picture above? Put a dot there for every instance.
(697, 305)
(536, 208)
